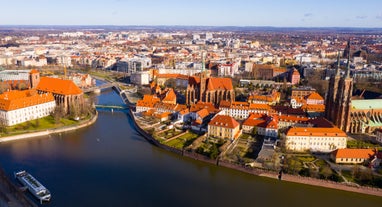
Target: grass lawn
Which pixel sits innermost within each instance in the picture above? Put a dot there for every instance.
(182, 141)
(361, 144)
(37, 125)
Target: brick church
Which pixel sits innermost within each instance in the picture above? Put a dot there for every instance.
(209, 89)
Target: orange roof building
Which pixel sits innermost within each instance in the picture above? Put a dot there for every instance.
(224, 127)
(315, 139)
(209, 89)
(65, 92)
(146, 103)
(21, 106)
(314, 98)
(58, 86)
(353, 156)
(169, 96)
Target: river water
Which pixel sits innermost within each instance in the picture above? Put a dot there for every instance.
(110, 164)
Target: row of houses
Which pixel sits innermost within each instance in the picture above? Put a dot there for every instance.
(300, 133)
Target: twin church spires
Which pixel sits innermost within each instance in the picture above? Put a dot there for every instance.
(338, 98)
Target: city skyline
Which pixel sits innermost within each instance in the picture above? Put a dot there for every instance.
(291, 13)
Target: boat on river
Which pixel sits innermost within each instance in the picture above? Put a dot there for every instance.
(33, 185)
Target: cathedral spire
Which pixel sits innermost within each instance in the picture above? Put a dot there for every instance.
(203, 62)
(338, 64)
(348, 63)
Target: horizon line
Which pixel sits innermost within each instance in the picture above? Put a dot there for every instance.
(169, 25)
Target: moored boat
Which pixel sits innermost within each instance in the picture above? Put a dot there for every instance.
(33, 185)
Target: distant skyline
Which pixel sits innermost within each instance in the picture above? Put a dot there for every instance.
(275, 13)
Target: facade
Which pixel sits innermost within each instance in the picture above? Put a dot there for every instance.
(294, 77)
(271, 99)
(269, 125)
(65, 92)
(228, 69)
(179, 80)
(302, 92)
(224, 127)
(140, 78)
(352, 156)
(241, 110)
(20, 106)
(209, 89)
(378, 136)
(315, 139)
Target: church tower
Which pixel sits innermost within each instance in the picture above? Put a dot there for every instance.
(34, 78)
(342, 105)
(331, 94)
(203, 80)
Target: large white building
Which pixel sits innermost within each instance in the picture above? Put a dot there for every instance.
(20, 106)
(315, 139)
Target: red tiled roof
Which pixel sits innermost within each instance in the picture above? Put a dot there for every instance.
(203, 113)
(148, 101)
(315, 131)
(58, 86)
(169, 75)
(224, 104)
(204, 105)
(13, 100)
(315, 96)
(354, 153)
(224, 121)
(219, 84)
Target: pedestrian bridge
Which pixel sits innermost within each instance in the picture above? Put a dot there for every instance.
(100, 87)
(100, 106)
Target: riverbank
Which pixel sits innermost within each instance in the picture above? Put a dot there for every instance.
(51, 131)
(251, 170)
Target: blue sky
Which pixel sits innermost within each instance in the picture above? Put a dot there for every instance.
(278, 13)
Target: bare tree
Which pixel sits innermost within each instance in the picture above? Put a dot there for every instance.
(58, 113)
(3, 126)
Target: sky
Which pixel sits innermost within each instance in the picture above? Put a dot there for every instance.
(276, 13)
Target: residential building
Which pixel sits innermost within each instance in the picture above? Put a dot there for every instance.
(224, 127)
(20, 106)
(241, 110)
(294, 77)
(146, 103)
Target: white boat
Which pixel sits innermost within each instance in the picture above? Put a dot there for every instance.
(33, 185)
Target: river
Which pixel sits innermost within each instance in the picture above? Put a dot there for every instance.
(110, 164)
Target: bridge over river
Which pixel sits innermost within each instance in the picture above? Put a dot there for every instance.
(105, 106)
(100, 87)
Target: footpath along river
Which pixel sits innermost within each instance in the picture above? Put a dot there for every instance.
(110, 164)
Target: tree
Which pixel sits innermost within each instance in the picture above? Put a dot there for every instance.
(254, 131)
(58, 113)
(326, 171)
(3, 126)
(214, 151)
